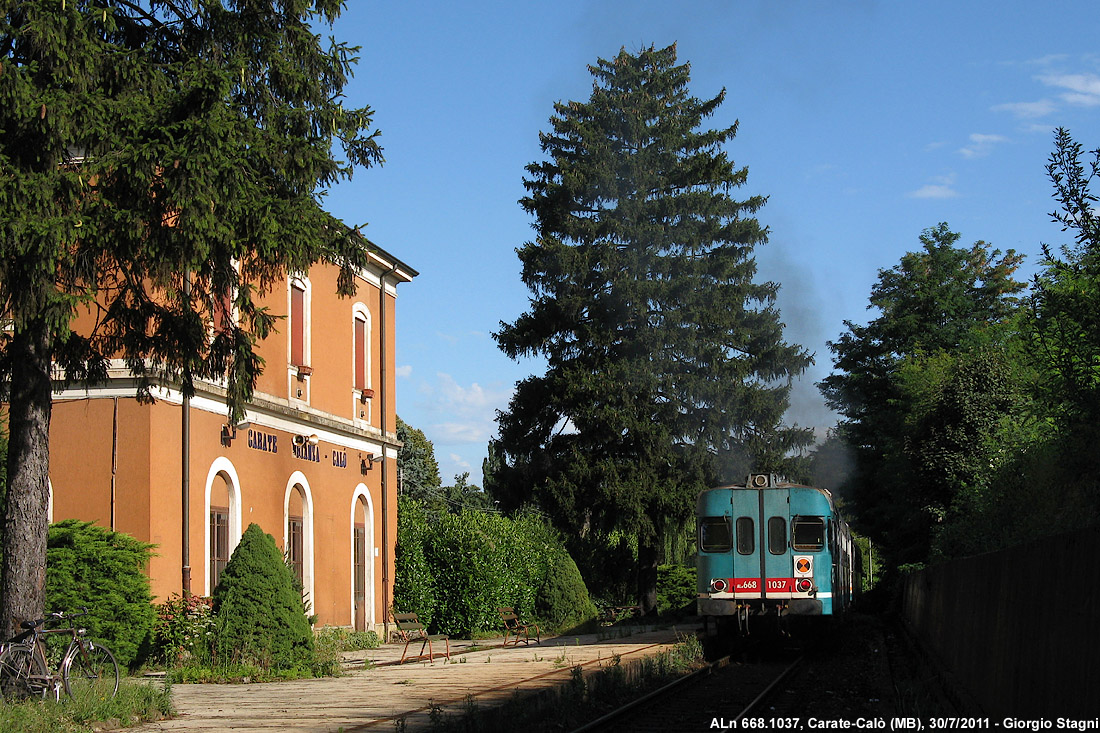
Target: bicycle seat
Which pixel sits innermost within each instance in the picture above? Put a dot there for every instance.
(29, 625)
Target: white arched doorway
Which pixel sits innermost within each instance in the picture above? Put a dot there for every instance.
(222, 506)
(363, 615)
(298, 532)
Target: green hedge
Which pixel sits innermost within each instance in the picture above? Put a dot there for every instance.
(455, 570)
(103, 570)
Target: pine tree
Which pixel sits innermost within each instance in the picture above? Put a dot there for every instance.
(158, 158)
(662, 351)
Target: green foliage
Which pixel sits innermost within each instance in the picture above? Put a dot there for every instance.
(416, 459)
(414, 588)
(676, 589)
(158, 159)
(928, 388)
(105, 571)
(260, 616)
(184, 630)
(661, 349)
(1065, 326)
(346, 640)
(562, 600)
(455, 570)
(136, 702)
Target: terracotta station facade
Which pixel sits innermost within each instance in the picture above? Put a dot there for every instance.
(314, 463)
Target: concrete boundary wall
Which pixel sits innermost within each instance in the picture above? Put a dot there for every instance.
(1017, 629)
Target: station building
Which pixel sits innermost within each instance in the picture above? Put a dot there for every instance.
(314, 463)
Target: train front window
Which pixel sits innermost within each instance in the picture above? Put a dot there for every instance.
(808, 533)
(715, 535)
(777, 535)
(746, 536)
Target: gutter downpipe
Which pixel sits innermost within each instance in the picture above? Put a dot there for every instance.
(185, 474)
(114, 460)
(383, 372)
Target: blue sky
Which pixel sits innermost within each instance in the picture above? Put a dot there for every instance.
(863, 122)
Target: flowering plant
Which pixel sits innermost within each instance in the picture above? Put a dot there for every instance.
(184, 628)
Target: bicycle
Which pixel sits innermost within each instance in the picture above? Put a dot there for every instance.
(86, 668)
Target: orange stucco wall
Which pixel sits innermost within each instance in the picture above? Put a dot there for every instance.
(105, 432)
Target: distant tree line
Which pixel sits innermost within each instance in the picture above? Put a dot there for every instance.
(971, 402)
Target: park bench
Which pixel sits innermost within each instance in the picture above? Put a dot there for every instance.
(409, 630)
(614, 614)
(516, 628)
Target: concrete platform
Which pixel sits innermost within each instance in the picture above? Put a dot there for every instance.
(376, 698)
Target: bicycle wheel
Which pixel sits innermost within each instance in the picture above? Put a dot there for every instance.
(89, 670)
(23, 674)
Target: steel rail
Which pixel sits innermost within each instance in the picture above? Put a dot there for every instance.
(648, 697)
(767, 690)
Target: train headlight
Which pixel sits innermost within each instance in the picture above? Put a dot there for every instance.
(719, 585)
(804, 585)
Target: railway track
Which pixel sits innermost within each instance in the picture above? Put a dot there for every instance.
(725, 690)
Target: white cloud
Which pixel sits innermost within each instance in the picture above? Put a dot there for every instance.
(940, 188)
(470, 401)
(460, 414)
(933, 191)
(1082, 89)
(981, 145)
(459, 461)
(1027, 110)
(404, 371)
(452, 433)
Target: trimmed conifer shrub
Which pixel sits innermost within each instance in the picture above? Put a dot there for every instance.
(103, 570)
(261, 618)
(562, 599)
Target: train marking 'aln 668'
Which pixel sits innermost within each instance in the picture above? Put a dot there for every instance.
(772, 547)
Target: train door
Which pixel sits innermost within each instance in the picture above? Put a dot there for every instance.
(776, 507)
(747, 582)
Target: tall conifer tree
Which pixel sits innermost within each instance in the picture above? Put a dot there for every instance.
(662, 351)
(158, 159)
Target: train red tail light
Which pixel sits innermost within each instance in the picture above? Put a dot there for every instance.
(804, 585)
(719, 585)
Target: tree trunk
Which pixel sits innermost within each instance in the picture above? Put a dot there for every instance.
(647, 576)
(26, 522)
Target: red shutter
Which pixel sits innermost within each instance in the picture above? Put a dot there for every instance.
(297, 326)
(360, 354)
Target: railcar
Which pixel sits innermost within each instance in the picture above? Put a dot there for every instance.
(771, 548)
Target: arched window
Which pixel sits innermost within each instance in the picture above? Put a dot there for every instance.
(299, 337)
(299, 322)
(361, 361)
(223, 526)
(362, 560)
(298, 532)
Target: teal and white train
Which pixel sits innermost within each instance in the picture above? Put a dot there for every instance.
(774, 548)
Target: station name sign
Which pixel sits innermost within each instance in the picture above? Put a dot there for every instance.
(266, 442)
(269, 443)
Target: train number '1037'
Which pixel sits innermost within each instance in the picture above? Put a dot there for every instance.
(771, 585)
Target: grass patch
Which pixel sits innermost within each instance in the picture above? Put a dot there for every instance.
(136, 703)
(329, 644)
